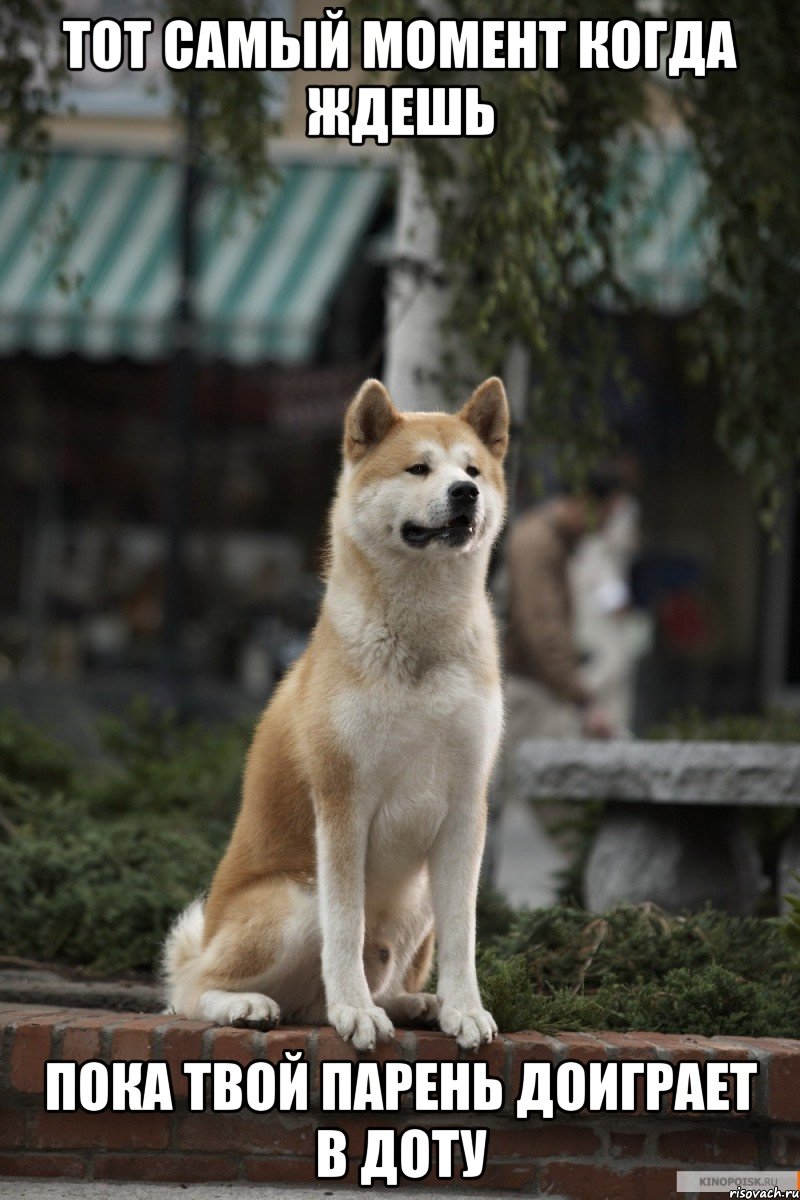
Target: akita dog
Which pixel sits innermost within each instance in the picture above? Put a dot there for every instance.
(363, 814)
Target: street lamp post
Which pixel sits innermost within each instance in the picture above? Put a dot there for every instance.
(180, 405)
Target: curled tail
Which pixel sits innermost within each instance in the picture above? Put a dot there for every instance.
(180, 959)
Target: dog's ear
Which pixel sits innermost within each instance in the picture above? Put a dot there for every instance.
(369, 418)
(487, 412)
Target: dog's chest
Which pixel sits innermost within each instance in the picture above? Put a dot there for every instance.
(415, 751)
(392, 731)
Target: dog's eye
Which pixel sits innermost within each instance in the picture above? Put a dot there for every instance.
(419, 469)
(472, 471)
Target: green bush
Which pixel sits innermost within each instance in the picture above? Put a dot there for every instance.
(95, 862)
(160, 765)
(692, 725)
(100, 895)
(638, 968)
(30, 756)
(710, 1002)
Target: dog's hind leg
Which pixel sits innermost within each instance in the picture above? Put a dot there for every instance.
(251, 1009)
(411, 1005)
(262, 958)
(419, 968)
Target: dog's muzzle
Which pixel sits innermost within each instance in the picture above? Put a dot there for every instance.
(462, 499)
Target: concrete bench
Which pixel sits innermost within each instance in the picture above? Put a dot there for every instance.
(672, 832)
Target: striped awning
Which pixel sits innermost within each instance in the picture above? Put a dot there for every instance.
(89, 257)
(663, 245)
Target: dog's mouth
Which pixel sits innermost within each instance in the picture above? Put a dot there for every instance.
(456, 532)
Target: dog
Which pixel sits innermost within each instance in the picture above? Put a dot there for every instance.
(363, 812)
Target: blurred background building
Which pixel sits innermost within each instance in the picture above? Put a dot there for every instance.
(286, 316)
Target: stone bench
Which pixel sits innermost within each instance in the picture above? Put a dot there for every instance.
(672, 832)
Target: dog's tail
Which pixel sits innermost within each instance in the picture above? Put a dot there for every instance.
(182, 950)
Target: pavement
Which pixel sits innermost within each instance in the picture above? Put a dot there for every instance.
(57, 1189)
(526, 859)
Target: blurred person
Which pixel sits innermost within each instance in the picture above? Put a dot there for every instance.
(547, 695)
(611, 634)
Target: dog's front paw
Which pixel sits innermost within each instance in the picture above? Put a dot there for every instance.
(361, 1026)
(413, 1006)
(469, 1025)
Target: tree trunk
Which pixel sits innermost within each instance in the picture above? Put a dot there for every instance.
(418, 299)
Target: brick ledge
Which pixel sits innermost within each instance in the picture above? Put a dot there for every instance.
(582, 1157)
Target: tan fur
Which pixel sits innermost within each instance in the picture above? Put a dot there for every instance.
(420, 969)
(301, 783)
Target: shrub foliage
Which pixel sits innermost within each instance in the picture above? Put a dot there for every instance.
(96, 859)
(637, 968)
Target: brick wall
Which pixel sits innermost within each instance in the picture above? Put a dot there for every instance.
(581, 1157)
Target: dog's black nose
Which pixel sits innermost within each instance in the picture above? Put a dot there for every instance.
(462, 494)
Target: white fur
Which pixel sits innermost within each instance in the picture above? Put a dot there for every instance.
(183, 947)
(239, 1008)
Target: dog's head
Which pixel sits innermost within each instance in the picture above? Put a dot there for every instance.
(427, 484)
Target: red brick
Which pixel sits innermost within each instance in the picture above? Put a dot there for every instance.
(80, 1041)
(330, 1047)
(733, 1049)
(753, 1047)
(356, 1126)
(103, 1130)
(543, 1141)
(696, 1050)
(235, 1132)
(709, 1147)
(435, 1047)
(511, 1176)
(284, 1170)
(183, 1042)
(785, 1148)
(80, 1045)
(236, 1045)
(580, 1181)
(50, 1166)
(729, 1090)
(166, 1168)
(626, 1145)
(396, 1049)
(133, 1039)
(31, 1049)
(783, 1079)
(581, 1047)
(492, 1053)
(630, 1047)
(681, 1047)
(522, 1048)
(12, 1128)
(584, 1048)
(278, 1040)
(659, 1183)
